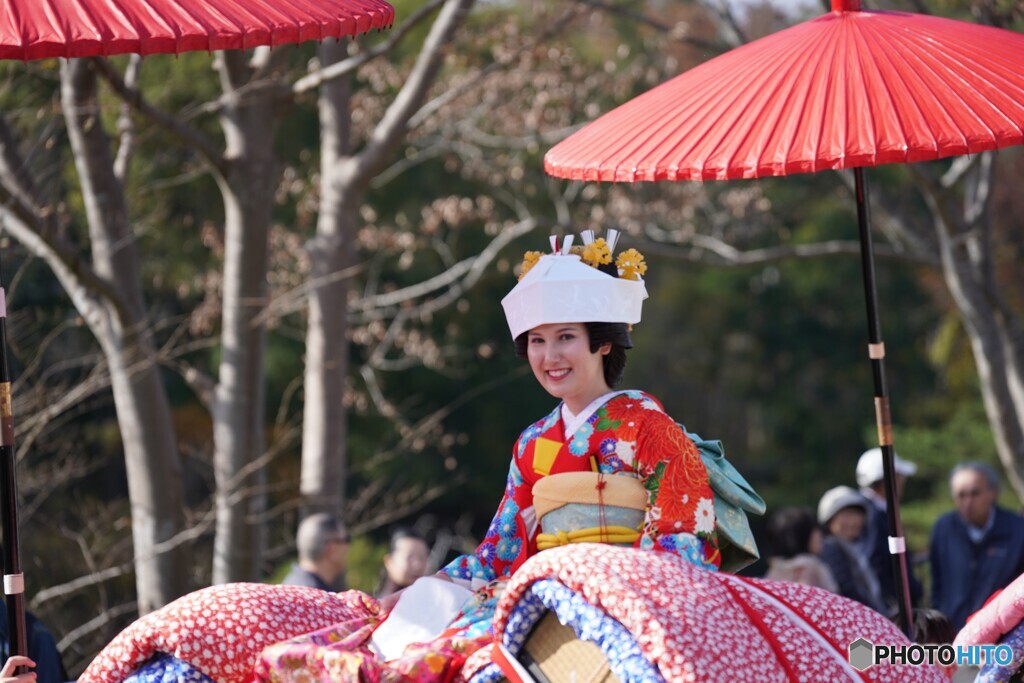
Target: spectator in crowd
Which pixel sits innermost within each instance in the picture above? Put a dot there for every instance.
(843, 513)
(793, 543)
(42, 652)
(405, 561)
(322, 542)
(7, 673)
(873, 543)
(976, 549)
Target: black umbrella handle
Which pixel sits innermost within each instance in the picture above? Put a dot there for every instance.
(883, 420)
(14, 580)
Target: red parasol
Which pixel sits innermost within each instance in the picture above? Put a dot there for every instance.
(37, 29)
(87, 28)
(850, 88)
(846, 90)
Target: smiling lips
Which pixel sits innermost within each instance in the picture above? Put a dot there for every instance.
(559, 374)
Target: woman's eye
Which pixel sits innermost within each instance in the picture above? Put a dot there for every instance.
(567, 337)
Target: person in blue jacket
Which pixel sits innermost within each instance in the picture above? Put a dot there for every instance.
(42, 649)
(976, 549)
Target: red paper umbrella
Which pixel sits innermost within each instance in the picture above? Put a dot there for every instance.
(35, 29)
(850, 89)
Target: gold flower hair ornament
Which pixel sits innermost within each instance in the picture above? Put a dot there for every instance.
(631, 264)
(595, 253)
(530, 259)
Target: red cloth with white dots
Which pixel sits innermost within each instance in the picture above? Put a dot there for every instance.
(222, 629)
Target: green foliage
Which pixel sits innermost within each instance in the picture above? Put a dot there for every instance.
(365, 559)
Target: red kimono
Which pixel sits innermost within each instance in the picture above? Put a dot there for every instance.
(629, 432)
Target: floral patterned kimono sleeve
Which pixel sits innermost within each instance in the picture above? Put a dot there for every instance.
(680, 515)
(508, 540)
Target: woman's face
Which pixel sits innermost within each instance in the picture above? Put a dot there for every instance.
(848, 523)
(561, 360)
(407, 562)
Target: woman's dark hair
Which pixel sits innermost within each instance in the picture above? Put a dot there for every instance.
(932, 626)
(789, 531)
(599, 334)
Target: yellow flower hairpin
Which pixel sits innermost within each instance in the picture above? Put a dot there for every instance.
(631, 264)
(530, 259)
(597, 253)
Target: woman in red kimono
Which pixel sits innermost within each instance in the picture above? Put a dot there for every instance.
(570, 316)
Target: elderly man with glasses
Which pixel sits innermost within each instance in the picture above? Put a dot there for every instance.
(322, 541)
(976, 549)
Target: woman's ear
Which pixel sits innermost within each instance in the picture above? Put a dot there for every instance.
(605, 348)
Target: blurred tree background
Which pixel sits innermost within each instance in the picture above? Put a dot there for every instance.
(766, 353)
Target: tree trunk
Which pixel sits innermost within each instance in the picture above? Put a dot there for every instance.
(143, 413)
(238, 415)
(324, 425)
(994, 329)
(344, 180)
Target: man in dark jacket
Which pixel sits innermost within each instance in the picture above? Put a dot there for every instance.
(977, 549)
(42, 649)
(322, 541)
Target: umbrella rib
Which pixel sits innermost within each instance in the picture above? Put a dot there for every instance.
(10, 12)
(107, 44)
(172, 27)
(800, 106)
(777, 78)
(911, 71)
(726, 98)
(731, 104)
(959, 60)
(242, 8)
(857, 39)
(53, 18)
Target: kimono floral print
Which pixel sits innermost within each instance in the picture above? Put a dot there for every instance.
(629, 433)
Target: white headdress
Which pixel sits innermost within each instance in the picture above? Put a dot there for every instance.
(577, 285)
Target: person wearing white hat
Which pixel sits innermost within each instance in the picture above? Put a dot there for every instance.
(570, 317)
(873, 543)
(842, 512)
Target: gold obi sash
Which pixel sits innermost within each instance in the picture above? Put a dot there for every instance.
(589, 507)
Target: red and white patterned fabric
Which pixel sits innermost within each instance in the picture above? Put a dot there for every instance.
(698, 625)
(222, 629)
(1000, 615)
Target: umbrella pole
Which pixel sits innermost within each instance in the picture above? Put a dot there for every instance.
(14, 580)
(876, 352)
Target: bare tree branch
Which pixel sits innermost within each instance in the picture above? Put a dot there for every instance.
(125, 124)
(343, 68)
(78, 280)
(707, 249)
(189, 135)
(451, 94)
(397, 118)
(459, 278)
(676, 31)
